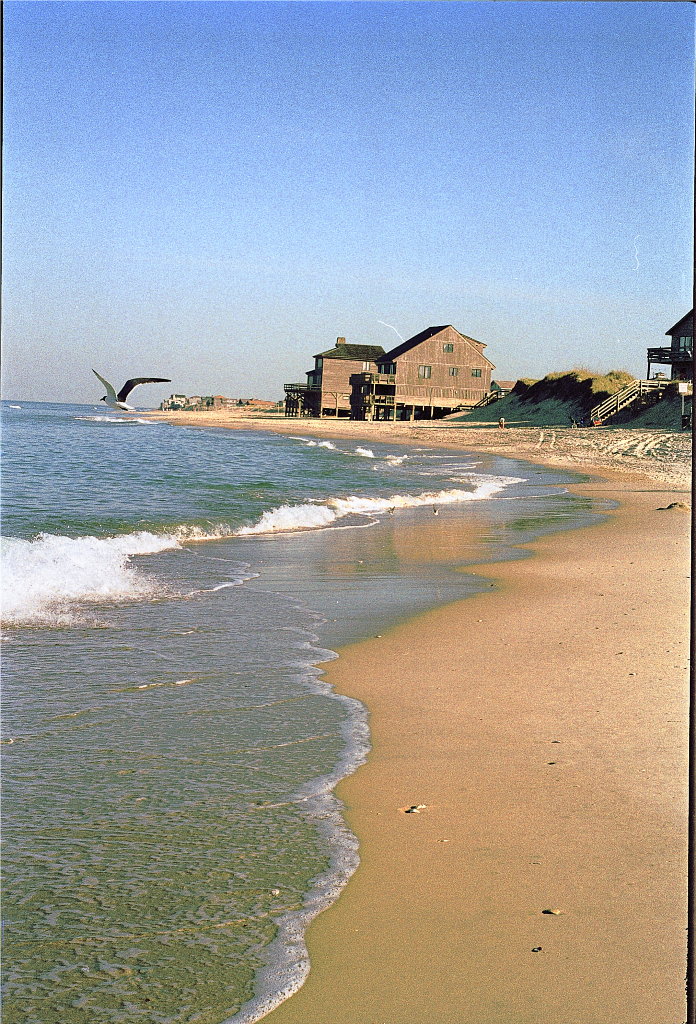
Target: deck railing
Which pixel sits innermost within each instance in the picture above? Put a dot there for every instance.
(492, 396)
(670, 355)
(626, 396)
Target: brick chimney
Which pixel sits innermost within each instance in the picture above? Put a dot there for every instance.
(340, 341)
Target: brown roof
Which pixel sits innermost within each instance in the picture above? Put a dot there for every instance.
(367, 353)
(682, 323)
(417, 339)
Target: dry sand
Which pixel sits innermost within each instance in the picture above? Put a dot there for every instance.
(544, 726)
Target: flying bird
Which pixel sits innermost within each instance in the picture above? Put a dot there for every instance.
(118, 401)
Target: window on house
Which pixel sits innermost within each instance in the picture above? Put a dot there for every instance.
(319, 363)
(448, 347)
(424, 371)
(387, 368)
(453, 371)
(684, 344)
(366, 367)
(475, 373)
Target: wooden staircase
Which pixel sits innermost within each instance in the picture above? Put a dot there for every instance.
(492, 396)
(636, 391)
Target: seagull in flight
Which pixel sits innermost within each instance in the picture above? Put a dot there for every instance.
(118, 401)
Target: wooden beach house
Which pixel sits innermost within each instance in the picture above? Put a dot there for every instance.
(328, 388)
(429, 376)
(680, 353)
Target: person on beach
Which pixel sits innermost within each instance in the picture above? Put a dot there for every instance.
(501, 422)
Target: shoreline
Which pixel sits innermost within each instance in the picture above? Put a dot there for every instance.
(663, 455)
(442, 919)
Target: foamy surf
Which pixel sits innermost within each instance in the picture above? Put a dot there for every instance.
(45, 578)
(289, 518)
(319, 444)
(116, 419)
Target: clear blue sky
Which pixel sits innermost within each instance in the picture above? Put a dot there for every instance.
(213, 191)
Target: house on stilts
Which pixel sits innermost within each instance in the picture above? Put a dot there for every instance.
(434, 373)
(328, 389)
(680, 353)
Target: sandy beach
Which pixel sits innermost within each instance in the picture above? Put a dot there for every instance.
(543, 726)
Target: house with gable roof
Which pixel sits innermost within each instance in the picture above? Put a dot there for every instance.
(434, 373)
(328, 388)
(680, 354)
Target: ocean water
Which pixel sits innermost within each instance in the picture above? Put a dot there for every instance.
(170, 747)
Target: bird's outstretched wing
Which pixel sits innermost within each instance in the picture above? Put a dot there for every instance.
(133, 383)
(110, 393)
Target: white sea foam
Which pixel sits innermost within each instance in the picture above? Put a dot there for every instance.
(288, 518)
(46, 580)
(44, 577)
(366, 453)
(286, 960)
(319, 444)
(117, 419)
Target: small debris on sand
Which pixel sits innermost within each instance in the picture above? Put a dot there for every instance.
(536, 949)
(675, 504)
(554, 912)
(414, 808)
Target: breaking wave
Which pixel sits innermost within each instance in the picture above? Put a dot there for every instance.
(117, 419)
(319, 444)
(45, 578)
(288, 518)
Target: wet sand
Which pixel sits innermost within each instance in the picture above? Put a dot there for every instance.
(544, 726)
(663, 454)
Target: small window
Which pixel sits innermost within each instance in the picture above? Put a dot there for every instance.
(319, 363)
(387, 368)
(475, 373)
(448, 347)
(366, 367)
(424, 371)
(454, 371)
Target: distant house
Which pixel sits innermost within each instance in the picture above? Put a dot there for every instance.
(680, 354)
(431, 375)
(328, 388)
(173, 403)
(194, 403)
(260, 404)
